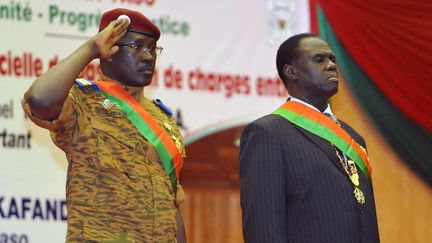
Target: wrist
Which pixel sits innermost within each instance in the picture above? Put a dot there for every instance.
(91, 48)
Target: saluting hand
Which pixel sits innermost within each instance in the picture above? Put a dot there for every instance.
(48, 93)
(106, 40)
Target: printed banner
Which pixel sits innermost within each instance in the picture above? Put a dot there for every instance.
(217, 70)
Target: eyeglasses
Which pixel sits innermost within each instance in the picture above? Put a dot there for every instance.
(139, 47)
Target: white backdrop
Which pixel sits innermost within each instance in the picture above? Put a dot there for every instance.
(217, 70)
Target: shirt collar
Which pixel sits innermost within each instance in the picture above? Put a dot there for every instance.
(327, 110)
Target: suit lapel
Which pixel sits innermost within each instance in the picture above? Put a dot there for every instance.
(322, 144)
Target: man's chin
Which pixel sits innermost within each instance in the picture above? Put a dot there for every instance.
(334, 91)
(138, 83)
(146, 82)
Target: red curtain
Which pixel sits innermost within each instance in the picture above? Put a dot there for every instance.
(391, 41)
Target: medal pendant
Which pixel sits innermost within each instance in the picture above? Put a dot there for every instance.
(355, 179)
(359, 196)
(177, 143)
(107, 104)
(168, 126)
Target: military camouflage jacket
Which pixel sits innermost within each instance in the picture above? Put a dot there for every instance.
(117, 189)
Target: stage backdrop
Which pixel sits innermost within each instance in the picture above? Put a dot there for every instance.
(217, 70)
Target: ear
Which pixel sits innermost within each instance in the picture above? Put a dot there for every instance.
(289, 71)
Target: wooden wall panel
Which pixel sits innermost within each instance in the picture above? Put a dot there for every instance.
(212, 215)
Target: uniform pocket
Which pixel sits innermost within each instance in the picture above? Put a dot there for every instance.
(115, 149)
(111, 190)
(106, 234)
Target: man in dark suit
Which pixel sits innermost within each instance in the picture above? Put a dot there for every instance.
(304, 175)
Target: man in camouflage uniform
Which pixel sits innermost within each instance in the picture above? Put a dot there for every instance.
(118, 189)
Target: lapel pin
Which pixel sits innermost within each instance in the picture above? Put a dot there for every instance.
(107, 104)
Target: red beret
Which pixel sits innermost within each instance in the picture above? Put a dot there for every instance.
(139, 23)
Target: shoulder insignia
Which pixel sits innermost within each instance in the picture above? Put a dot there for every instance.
(162, 106)
(84, 83)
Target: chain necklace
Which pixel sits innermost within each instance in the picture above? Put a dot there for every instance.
(352, 174)
(354, 177)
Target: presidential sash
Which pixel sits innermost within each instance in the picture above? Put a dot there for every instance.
(324, 127)
(147, 126)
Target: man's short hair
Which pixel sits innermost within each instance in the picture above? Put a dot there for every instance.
(287, 52)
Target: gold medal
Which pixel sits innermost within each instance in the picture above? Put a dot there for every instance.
(355, 179)
(358, 194)
(177, 143)
(168, 126)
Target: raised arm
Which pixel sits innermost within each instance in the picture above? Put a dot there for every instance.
(47, 93)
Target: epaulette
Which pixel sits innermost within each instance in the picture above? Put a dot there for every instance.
(84, 83)
(162, 106)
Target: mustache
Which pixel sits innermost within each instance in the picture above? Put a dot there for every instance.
(146, 65)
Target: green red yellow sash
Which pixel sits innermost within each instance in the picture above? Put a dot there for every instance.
(148, 127)
(324, 127)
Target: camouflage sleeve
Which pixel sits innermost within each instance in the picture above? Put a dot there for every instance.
(67, 120)
(62, 127)
(52, 125)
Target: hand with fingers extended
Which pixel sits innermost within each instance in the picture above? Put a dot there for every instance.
(106, 40)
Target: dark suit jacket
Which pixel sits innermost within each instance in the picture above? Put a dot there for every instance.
(293, 188)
